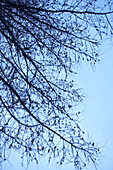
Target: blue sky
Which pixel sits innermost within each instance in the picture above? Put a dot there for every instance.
(97, 115)
(98, 87)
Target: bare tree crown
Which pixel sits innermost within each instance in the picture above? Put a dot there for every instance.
(40, 44)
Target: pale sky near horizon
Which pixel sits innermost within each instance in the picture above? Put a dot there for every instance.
(98, 113)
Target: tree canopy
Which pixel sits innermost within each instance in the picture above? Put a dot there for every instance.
(41, 43)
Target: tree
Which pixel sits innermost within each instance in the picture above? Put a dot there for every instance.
(41, 43)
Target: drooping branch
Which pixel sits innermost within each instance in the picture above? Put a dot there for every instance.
(37, 120)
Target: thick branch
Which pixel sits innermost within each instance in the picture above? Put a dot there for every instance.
(13, 115)
(54, 11)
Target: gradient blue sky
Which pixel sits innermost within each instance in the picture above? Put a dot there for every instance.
(97, 115)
